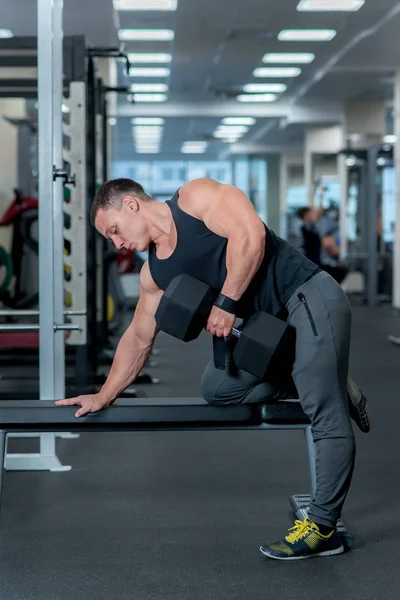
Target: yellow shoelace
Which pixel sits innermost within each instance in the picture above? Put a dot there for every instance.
(300, 530)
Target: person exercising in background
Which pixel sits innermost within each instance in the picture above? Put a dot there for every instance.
(211, 231)
(319, 243)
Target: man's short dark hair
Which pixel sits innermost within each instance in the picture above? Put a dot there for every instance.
(111, 193)
(301, 213)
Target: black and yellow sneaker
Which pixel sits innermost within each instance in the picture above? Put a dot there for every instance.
(358, 406)
(304, 540)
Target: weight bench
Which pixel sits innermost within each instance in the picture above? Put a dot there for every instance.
(165, 414)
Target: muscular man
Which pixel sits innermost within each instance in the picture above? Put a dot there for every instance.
(212, 232)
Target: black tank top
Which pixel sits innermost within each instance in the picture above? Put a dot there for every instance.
(202, 254)
(311, 243)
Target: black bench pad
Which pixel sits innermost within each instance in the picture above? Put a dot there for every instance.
(144, 413)
(283, 412)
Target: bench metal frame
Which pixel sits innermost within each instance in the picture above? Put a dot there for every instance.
(132, 416)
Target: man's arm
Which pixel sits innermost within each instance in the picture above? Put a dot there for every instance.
(228, 212)
(329, 245)
(132, 351)
(137, 341)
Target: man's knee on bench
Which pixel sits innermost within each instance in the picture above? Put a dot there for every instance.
(218, 387)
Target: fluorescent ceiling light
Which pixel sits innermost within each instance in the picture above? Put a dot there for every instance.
(390, 139)
(147, 129)
(256, 98)
(151, 35)
(147, 141)
(144, 137)
(264, 87)
(276, 72)
(288, 57)
(145, 4)
(330, 5)
(233, 128)
(147, 121)
(144, 146)
(147, 137)
(149, 87)
(140, 144)
(192, 150)
(194, 144)
(226, 135)
(6, 33)
(149, 57)
(149, 72)
(150, 151)
(150, 97)
(147, 148)
(306, 35)
(238, 121)
(112, 121)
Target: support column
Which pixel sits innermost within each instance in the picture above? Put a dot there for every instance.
(396, 251)
(283, 226)
(58, 211)
(320, 140)
(46, 225)
(343, 179)
(274, 191)
(372, 239)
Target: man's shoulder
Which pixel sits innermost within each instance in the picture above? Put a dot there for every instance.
(203, 185)
(196, 195)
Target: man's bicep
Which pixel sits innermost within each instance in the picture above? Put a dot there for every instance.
(143, 324)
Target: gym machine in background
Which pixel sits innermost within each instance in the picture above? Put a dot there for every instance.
(86, 282)
(66, 169)
(370, 219)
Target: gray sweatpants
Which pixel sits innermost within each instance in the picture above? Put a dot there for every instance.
(320, 312)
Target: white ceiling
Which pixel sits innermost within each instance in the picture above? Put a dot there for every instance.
(218, 44)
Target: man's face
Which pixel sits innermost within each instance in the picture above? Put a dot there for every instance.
(126, 228)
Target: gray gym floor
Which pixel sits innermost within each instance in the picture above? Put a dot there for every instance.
(180, 515)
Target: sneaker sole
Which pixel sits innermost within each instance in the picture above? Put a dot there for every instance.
(339, 550)
(361, 417)
(358, 402)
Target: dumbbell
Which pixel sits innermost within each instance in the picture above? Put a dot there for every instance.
(264, 345)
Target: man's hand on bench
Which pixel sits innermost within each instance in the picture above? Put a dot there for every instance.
(90, 403)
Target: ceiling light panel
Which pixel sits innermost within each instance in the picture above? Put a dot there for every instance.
(150, 97)
(147, 121)
(238, 121)
(256, 98)
(149, 57)
(145, 4)
(306, 35)
(233, 128)
(254, 88)
(276, 72)
(149, 87)
(149, 72)
(330, 5)
(150, 35)
(288, 57)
